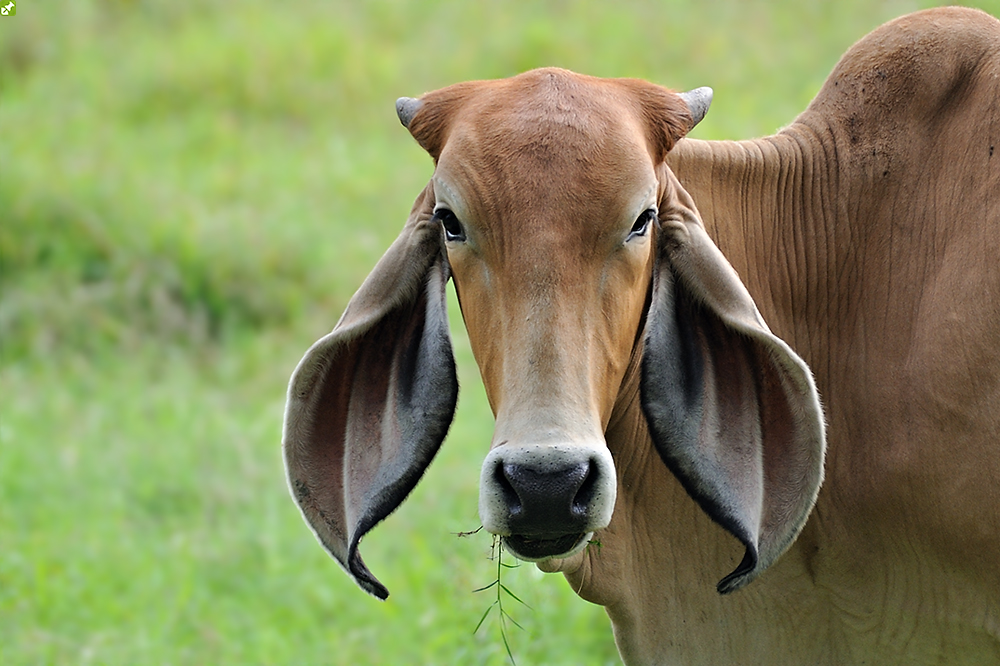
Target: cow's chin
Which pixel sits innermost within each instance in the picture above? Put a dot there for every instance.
(539, 549)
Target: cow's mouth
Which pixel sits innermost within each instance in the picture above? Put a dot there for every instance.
(536, 549)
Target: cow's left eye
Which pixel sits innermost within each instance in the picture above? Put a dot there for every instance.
(453, 230)
(642, 223)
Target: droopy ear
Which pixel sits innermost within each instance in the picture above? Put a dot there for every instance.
(370, 403)
(732, 410)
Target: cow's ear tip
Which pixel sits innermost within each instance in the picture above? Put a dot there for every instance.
(742, 575)
(376, 589)
(362, 575)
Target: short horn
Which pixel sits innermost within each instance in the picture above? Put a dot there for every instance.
(406, 108)
(697, 100)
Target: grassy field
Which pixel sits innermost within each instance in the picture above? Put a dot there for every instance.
(189, 194)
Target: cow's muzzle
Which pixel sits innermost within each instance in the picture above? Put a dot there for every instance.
(546, 500)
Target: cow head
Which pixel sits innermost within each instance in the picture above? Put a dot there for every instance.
(576, 256)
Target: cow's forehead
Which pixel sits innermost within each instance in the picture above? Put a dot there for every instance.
(549, 113)
(547, 137)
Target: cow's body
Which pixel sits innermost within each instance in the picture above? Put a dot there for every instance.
(868, 234)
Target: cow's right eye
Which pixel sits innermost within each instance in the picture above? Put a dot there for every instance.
(642, 223)
(453, 230)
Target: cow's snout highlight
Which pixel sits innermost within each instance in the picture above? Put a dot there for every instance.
(546, 500)
(537, 500)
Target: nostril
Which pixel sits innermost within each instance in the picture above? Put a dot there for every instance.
(545, 495)
(502, 476)
(588, 488)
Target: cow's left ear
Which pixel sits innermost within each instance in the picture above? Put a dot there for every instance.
(370, 403)
(732, 410)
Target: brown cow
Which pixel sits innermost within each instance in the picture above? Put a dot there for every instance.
(613, 336)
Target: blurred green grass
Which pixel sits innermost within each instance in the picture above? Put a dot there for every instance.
(189, 194)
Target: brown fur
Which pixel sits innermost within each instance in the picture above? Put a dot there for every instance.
(868, 235)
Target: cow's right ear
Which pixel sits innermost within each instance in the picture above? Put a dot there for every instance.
(732, 410)
(370, 403)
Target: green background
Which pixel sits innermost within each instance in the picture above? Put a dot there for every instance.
(189, 194)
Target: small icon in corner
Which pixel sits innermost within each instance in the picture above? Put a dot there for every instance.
(9, 9)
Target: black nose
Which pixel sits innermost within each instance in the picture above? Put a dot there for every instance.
(547, 503)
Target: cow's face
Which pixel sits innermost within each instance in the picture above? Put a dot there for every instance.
(546, 189)
(577, 257)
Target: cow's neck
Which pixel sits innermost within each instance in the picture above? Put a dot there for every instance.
(765, 203)
(662, 554)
